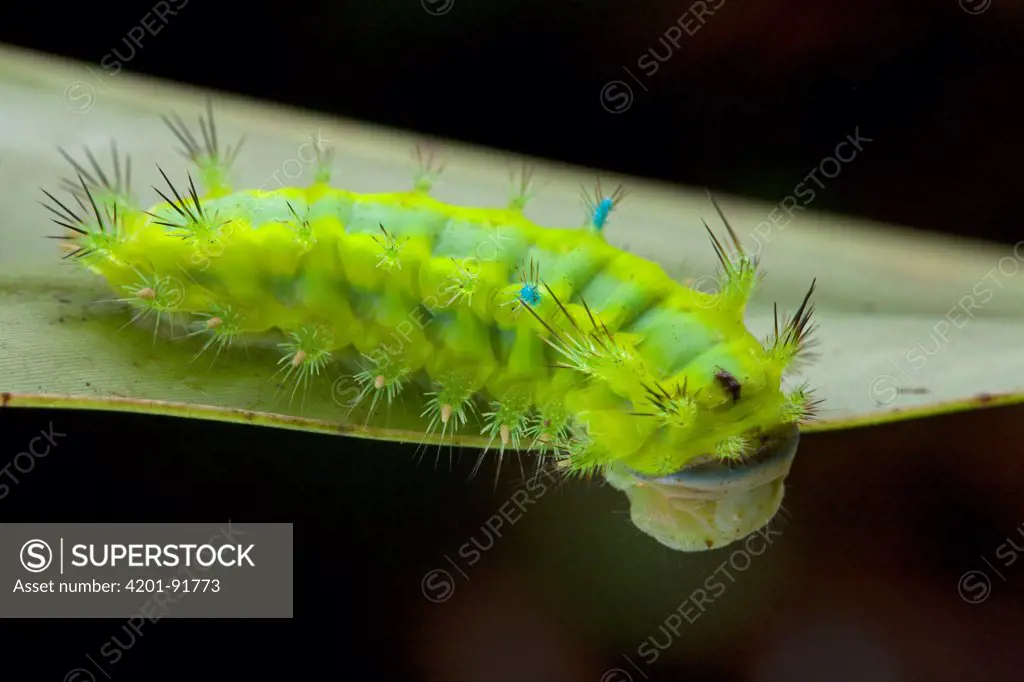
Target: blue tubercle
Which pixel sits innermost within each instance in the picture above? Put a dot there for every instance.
(530, 294)
(602, 211)
(599, 206)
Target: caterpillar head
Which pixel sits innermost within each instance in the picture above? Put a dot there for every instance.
(701, 452)
(701, 455)
(714, 502)
(703, 462)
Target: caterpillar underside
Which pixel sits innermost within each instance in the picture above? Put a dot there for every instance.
(542, 339)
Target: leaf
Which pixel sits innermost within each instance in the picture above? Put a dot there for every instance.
(909, 323)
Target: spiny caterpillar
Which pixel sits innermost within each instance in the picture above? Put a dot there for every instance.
(542, 339)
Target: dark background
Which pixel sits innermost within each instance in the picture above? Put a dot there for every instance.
(885, 521)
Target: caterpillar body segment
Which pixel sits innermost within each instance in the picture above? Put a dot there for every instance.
(542, 339)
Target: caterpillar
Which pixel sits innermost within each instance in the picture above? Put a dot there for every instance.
(542, 339)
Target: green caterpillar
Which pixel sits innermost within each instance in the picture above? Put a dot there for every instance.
(542, 339)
